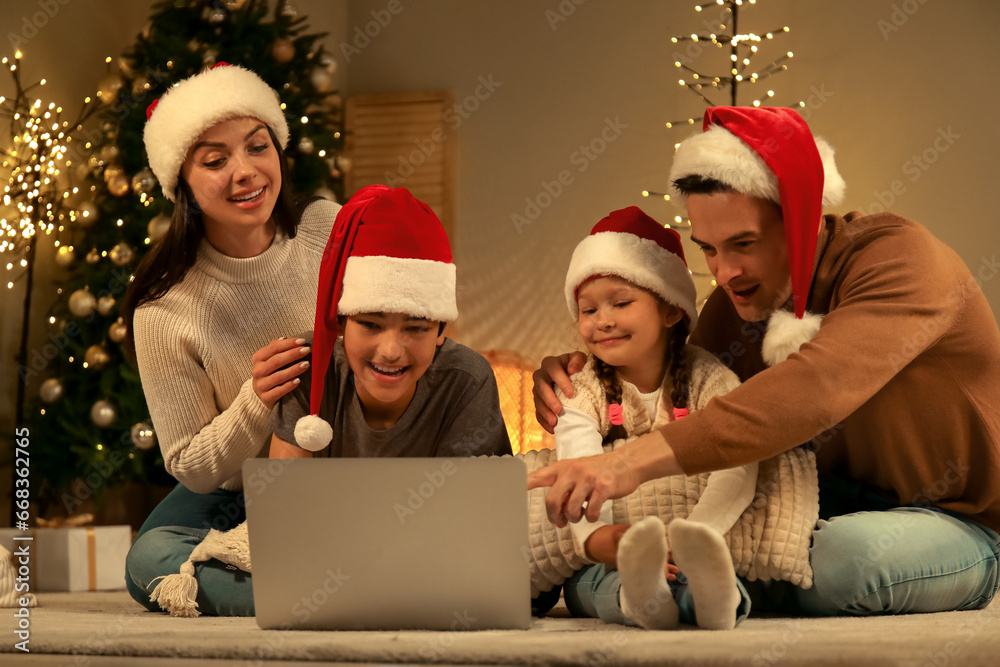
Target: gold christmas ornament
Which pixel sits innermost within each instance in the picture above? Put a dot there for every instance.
(65, 256)
(82, 303)
(344, 163)
(96, 357)
(320, 79)
(86, 213)
(119, 186)
(51, 390)
(109, 87)
(306, 145)
(93, 257)
(328, 62)
(158, 227)
(103, 413)
(117, 331)
(106, 304)
(144, 181)
(143, 435)
(121, 254)
(283, 50)
(109, 153)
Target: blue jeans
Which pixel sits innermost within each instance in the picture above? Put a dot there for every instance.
(170, 534)
(870, 557)
(593, 592)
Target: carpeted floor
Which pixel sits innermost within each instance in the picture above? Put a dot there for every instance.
(90, 629)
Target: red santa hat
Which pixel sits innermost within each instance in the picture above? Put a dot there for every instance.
(388, 253)
(631, 245)
(770, 153)
(176, 120)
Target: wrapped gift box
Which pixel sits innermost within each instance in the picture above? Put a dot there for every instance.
(90, 558)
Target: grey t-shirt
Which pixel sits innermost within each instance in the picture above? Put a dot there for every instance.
(455, 411)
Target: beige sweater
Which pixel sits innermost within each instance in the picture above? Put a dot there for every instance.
(194, 347)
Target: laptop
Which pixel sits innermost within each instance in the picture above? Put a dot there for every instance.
(389, 543)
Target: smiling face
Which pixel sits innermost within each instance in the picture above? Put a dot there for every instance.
(234, 173)
(743, 239)
(627, 327)
(388, 353)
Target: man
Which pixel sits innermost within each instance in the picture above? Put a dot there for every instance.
(897, 387)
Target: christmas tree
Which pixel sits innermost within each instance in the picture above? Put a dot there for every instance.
(90, 425)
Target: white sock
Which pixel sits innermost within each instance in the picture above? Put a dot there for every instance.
(703, 557)
(642, 557)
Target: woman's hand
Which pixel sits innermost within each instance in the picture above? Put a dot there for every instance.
(590, 479)
(554, 370)
(275, 371)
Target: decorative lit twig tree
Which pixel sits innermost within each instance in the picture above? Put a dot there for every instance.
(724, 86)
(35, 196)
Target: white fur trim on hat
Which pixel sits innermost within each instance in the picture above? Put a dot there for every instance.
(786, 334)
(719, 154)
(313, 433)
(637, 260)
(418, 287)
(196, 104)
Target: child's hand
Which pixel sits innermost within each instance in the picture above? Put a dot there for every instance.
(602, 545)
(276, 368)
(554, 370)
(671, 570)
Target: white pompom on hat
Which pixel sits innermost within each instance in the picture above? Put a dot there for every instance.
(631, 245)
(176, 120)
(770, 153)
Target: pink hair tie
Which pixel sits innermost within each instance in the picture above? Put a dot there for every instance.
(616, 414)
(681, 412)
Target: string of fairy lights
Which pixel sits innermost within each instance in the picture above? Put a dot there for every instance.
(743, 48)
(36, 161)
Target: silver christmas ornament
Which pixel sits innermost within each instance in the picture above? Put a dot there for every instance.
(103, 413)
(51, 390)
(82, 303)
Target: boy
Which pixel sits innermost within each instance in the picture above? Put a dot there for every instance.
(393, 385)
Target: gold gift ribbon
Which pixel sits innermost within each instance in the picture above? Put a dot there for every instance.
(91, 559)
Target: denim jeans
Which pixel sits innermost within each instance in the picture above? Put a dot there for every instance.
(170, 534)
(870, 557)
(593, 592)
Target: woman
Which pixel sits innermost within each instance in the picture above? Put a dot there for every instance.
(238, 265)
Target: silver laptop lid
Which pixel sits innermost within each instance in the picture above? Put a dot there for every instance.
(380, 543)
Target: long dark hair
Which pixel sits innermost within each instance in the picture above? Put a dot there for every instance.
(168, 261)
(674, 361)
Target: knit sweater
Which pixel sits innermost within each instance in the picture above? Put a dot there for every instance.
(195, 345)
(584, 424)
(899, 390)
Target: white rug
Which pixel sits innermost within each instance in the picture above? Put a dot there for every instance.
(110, 624)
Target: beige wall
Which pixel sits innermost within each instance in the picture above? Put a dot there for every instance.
(886, 80)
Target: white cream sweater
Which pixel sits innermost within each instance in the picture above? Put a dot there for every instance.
(194, 347)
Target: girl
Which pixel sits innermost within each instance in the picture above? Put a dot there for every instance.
(629, 289)
(237, 266)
